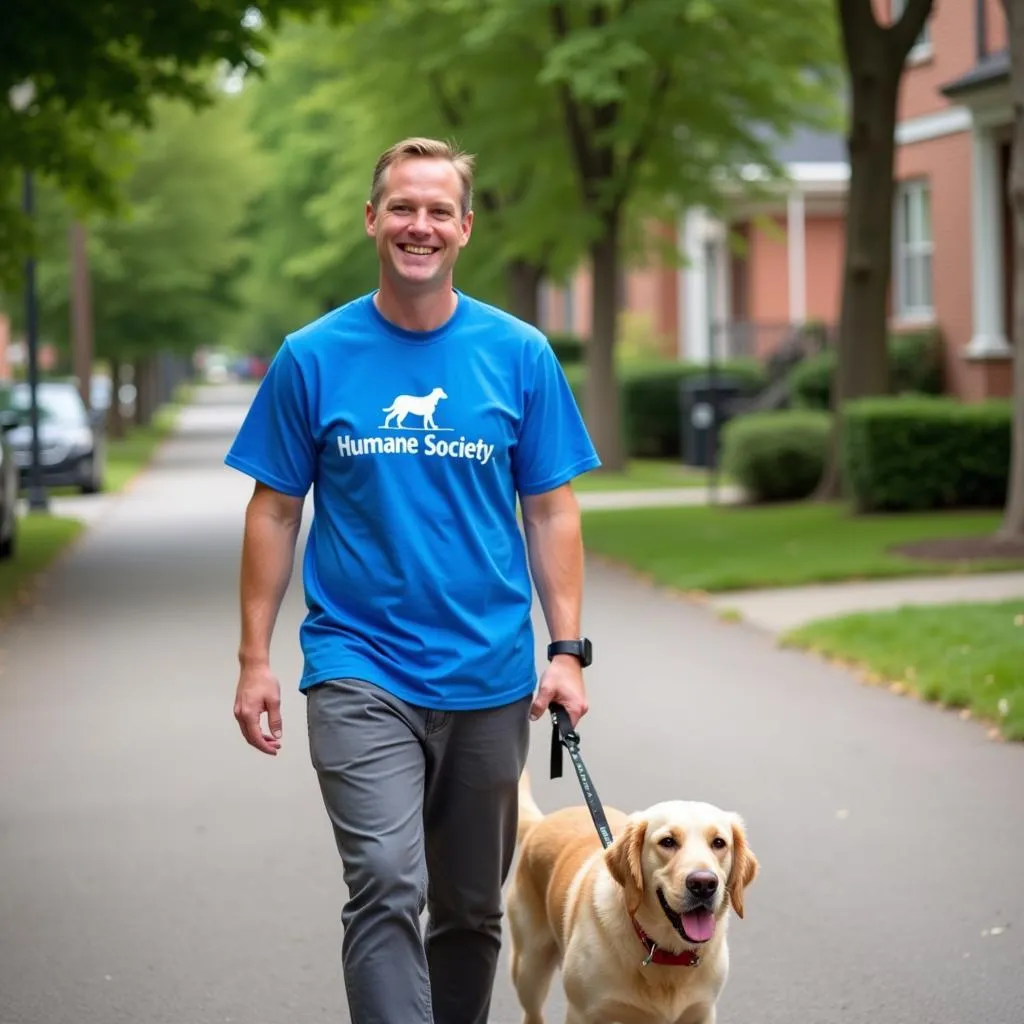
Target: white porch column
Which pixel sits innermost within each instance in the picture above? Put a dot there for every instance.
(694, 344)
(987, 248)
(796, 253)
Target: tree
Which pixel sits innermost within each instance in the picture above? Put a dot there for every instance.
(653, 103)
(163, 274)
(1012, 527)
(95, 68)
(875, 57)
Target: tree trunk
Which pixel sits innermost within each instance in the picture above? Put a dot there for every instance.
(115, 425)
(1012, 526)
(522, 279)
(862, 357)
(145, 390)
(82, 349)
(601, 403)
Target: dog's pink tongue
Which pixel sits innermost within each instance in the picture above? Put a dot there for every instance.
(699, 925)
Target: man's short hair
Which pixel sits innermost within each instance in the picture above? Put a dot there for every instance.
(419, 147)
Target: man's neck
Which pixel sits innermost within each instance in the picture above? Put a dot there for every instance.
(425, 312)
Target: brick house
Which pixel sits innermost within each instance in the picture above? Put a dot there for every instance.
(952, 252)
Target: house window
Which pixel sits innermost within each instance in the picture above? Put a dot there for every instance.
(922, 47)
(914, 250)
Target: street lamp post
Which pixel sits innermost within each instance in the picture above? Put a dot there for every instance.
(37, 500)
(21, 96)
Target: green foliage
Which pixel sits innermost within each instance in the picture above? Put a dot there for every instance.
(163, 274)
(915, 364)
(776, 456)
(97, 68)
(926, 453)
(650, 397)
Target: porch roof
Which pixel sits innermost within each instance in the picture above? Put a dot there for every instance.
(992, 69)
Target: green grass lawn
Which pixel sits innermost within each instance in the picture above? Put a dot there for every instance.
(644, 474)
(727, 548)
(963, 655)
(40, 540)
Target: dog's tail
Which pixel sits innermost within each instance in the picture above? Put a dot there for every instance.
(389, 408)
(529, 812)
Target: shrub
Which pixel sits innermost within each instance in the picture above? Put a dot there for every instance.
(776, 456)
(569, 349)
(915, 367)
(649, 392)
(926, 452)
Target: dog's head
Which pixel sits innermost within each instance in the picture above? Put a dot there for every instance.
(686, 863)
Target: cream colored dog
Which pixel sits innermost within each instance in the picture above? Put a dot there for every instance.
(639, 929)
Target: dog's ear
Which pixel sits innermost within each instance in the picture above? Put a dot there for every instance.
(744, 866)
(623, 858)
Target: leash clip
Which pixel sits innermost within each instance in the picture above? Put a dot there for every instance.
(650, 956)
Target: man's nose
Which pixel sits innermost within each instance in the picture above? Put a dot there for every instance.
(421, 223)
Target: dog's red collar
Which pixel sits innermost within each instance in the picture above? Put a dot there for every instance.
(687, 958)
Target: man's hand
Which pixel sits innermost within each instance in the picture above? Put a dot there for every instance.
(258, 692)
(562, 683)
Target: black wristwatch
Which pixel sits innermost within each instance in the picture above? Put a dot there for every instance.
(582, 649)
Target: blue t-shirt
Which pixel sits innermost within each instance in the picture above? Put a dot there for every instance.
(416, 444)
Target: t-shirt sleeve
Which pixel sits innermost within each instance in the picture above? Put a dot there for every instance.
(275, 444)
(553, 445)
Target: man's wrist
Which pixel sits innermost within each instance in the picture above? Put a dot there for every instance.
(579, 649)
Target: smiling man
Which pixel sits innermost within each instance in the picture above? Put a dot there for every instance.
(417, 416)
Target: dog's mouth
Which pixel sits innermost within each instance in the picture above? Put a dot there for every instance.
(695, 926)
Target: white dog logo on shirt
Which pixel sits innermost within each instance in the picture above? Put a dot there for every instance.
(418, 405)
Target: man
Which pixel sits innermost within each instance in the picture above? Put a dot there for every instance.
(417, 415)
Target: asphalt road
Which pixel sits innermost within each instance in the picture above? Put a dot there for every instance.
(156, 870)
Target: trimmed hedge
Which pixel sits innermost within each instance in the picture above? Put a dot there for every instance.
(777, 456)
(915, 366)
(649, 393)
(912, 453)
(569, 349)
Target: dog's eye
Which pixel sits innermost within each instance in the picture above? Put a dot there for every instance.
(667, 842)
(718, 843)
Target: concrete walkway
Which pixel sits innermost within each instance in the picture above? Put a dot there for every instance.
(156, 870)
(784, 608)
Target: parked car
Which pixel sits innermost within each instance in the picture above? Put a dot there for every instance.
(72, 449)
(9, 486)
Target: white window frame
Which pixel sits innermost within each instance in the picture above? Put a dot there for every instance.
(914, 290)
(922, 48)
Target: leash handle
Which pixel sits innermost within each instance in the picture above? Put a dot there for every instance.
(563, 735)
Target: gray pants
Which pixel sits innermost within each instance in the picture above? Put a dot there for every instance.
(424, 807)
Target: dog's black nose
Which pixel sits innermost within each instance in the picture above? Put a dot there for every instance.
(702, 883)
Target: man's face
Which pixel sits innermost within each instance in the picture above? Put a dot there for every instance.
(418, 227)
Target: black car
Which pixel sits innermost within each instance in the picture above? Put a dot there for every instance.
(71, 444)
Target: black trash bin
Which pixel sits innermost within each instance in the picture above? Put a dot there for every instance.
(707, 403)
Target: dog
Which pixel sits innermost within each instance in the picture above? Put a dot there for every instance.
(637, 929)
(418, 405)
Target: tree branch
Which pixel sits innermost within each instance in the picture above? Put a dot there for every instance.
(662, 80)
(444, 104)
(579, 143)
(902, 34)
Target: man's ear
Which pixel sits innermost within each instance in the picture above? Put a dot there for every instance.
(370, 215)
(625, 865)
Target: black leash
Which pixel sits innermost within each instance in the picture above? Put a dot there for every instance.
(563, 735)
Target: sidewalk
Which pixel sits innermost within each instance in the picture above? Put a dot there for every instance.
(779, 610)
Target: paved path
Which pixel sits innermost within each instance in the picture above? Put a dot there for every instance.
(786, 608)
(155, 870)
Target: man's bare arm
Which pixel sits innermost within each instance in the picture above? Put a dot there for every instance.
(272, 522)
(555, 548)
